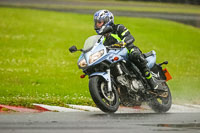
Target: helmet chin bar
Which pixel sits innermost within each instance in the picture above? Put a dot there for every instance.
(101, 29)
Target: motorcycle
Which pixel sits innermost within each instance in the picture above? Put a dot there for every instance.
(115, 81)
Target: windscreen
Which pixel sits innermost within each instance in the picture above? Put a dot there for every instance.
(90, 42)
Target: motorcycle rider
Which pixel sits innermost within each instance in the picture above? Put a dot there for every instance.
(121, 35)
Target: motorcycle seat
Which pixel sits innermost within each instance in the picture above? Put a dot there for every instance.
(151, 58)
(149, 53)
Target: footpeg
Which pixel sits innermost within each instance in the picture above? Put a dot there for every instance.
(165, 62)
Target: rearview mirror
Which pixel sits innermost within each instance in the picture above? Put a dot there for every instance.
(73, 49)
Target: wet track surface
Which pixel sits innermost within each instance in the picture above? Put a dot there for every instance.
(98, 122)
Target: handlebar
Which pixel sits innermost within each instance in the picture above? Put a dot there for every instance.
(110, 47)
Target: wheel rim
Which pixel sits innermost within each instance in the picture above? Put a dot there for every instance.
(107, 95)
(109, 98)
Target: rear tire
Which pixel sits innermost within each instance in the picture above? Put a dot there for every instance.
(107, 102)
(161, 104)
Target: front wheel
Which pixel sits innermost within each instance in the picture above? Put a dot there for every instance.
(161, 104)
(106, 101)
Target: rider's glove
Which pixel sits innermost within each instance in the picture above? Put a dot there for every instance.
(119, 45)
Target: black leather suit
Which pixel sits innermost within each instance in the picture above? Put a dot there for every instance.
(121, 33)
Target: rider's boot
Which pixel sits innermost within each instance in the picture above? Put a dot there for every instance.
(153, 84)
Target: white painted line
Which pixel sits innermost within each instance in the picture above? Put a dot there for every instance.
(57, 108)
(193, 105)
(86, 108)
(174, 109)
(120, 110)
(143, 109)
(183, 108)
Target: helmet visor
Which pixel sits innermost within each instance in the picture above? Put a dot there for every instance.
(98, 24)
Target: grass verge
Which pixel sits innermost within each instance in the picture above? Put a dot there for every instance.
(36, 67)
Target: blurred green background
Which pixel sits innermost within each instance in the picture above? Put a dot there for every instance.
(36, 67)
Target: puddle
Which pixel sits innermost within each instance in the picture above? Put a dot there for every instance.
(175, 127)
(189, 125)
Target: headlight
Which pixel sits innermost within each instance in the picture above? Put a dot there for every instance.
(82, 63)
(96, 56)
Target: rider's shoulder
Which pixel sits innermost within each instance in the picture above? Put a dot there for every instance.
(119, 27)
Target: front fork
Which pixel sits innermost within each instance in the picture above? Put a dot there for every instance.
(109, 81)
(106, 75)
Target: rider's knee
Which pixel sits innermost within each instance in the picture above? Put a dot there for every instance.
(134, 54)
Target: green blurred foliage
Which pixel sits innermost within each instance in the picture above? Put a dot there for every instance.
(36, 67)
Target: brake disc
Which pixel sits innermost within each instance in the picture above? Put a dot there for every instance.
(107, 95)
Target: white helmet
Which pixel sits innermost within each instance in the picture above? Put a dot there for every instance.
(107, 18)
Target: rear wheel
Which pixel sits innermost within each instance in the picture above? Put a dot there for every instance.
(106, 101)
(163, 102)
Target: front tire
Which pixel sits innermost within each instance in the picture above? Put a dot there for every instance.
(106, 101)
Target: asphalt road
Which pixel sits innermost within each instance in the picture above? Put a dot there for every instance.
(97, 122)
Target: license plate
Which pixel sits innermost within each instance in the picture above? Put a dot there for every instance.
(167, 74)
